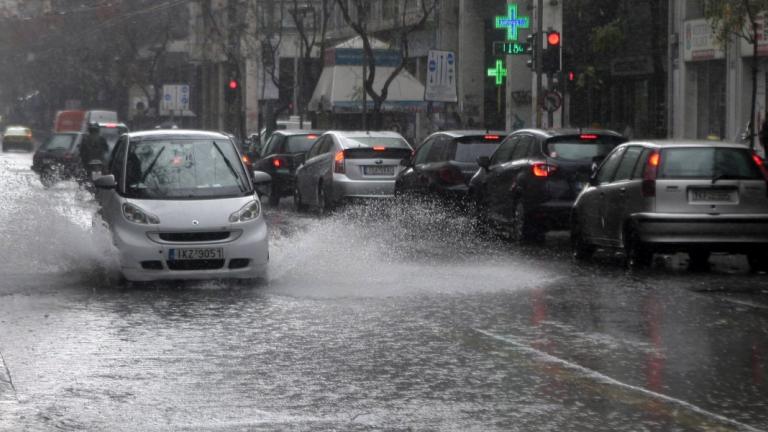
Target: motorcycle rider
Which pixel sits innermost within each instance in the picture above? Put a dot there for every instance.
(94, 147)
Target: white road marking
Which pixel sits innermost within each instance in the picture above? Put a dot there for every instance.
(608, 380)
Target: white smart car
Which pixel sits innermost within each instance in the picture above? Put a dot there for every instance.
(181, 205)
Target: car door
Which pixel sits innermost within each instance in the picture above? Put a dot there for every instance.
(516, 185)
(498, 178)
(304, 173)
(109, 199)
(414, 179)
(593, 219)
(618, 193)
(320, 168)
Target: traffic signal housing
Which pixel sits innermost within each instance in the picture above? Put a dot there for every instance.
(531, 50)
(551, 55)
(231, 90)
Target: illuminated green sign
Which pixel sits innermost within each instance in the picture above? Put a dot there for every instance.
(499, 72)
(509, 48)
(511, 22)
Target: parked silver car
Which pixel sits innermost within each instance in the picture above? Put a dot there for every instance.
(694, 197)
(180, 205)
(349, 165)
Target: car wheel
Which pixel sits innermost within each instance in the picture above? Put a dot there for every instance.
(298, 204)
(522, 229)
(698, 260)
(638, 254)
(580, 249)
(47, 178)
(325, 204)
(758, 261)
(274, 197)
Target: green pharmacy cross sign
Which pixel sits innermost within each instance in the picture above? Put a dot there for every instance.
(511, 22)
(499, 72)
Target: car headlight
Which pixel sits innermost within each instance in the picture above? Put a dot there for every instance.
(250, 211)
(137, 215)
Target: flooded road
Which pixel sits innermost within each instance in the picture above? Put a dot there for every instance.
(380, 317)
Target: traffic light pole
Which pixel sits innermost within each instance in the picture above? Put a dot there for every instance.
(539, 59)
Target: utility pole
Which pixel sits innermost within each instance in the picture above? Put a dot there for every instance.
(539, 59)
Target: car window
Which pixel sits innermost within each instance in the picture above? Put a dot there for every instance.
(371, 141)
(581, 147)
(273, 144)
(522, 148)
(438, 150)
(640, 166)
(118, 159)
(627, 164)
(315, 150)
(706, 163)
(59, 142)
(423, 151)
(504, 152)
(608, 168)
(326, 146)
(468, 149)
(298, 143)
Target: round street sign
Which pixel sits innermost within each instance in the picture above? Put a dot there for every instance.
(552, 101)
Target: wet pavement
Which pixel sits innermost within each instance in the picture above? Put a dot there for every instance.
(380, 317)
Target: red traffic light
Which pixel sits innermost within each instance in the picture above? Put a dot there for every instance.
(553, 38)
(233, 84)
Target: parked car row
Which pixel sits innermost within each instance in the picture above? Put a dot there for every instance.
(640, 197)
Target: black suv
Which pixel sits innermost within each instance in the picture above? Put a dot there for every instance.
(530, 183)
(283, 152)
(444, 162)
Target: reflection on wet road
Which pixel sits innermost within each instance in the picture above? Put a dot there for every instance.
(378, 317)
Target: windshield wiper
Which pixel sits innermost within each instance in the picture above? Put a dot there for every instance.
(240, 184)
(152, 165)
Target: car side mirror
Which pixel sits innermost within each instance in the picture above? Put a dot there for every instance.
(261, 178)
(484, 162)
(105, 182)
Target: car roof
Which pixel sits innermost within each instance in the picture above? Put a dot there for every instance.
(294, 132)
(686, 143)
(359, 134)
(177, 133)
(458, 133)
(569, 131)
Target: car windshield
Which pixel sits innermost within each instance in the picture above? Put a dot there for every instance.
(59, 142)
(469, 149)
(299, 143)
(580, 149)
(708, 163)
(370, 141)
(184, 168)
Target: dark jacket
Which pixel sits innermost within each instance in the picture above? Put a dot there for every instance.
(93, 147)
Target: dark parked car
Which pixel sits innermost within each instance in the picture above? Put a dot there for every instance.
(445, 162)
(529, 184)
(58, 158)
(283, 153)
(694, 197)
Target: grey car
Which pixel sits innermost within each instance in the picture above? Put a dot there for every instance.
(694, 197)
(343, 165)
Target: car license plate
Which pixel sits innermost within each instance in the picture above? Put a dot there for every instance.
(195, 254)
(387, 170)
(710, 195)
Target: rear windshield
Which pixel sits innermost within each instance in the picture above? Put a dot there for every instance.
(299, 143)
(575, 148)
(468, 149)
(389, 142)
(17, 131)
(59, 142)
(708, 163)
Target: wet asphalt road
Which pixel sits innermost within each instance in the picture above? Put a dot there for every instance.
(380, 317)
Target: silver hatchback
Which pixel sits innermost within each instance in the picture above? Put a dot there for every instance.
(694, 197)
(344, 165)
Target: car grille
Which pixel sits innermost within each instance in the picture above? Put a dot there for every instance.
(194, 236)
(182, 265)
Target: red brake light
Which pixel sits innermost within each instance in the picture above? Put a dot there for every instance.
(312, 136)
(245, 159)
(277, 163)
(541, 169)
(492, 137)
(588, 136)
(379, 148)
(338, 163)
(650, 173)
(109, 125)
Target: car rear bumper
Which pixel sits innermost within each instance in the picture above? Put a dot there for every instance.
(344, 187)
(730, 232)
(142, 259)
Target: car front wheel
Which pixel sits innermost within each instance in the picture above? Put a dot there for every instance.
(522, 230)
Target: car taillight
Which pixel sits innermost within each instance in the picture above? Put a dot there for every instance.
(451, 175)
(761, 164)
(379, 148)
(542, 169)
(338, 163)
(650, 173)
(491, 137)
(277, 163)
(246, 160)
(67, 156)
(588, 137)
